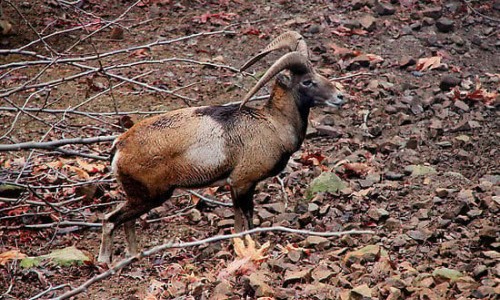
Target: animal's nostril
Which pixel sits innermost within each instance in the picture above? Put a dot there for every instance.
(340, 97)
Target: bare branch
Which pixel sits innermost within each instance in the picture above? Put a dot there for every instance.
(50, 225)
(50, 289)
(125, 262)
(53, 145)
(157, 43)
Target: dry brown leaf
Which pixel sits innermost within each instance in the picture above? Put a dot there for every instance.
(358, 169)
(289, 247)
(90, 167)
(374, 58)
(250, 251)
(7, 256)
(428, 63)
(80, 173)
(341, 51)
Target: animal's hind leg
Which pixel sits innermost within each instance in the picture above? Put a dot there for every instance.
(108, 229)
(130, 236)
(127, 213)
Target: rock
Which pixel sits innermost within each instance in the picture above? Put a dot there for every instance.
(317, 242)
(384, 9)
(225, 223)
(329, 131)
(392, 224)
(368, 253)
(400, 240)
(292, 276)
(377, 213)
(321, 273)
(361, 292)
(466, 196)
(442, 193)
(496, 5)
(313, 208)
(474, 213)
(448, 82)
(368, 22)
(420, 235)
(433, 12)
(314, 29)
(264, 214)
(461, 105)
(447, 274)
(457, 40)
(326, 182)
(358, 4)
(407, 61)
(428, 21)
(479, 271)
(419, 170)
(445, 25)
(257, 281)
(484, 292)
(394, 176)
(488, 234)
(194, 215)
(492, 254)
(416, 26)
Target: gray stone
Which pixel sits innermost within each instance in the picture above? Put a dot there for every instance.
(384, 9)
(461, 105)
(448, 82)
(445, 25)
(394, 176)
(458, 40)
(433, 12)
(368, 22)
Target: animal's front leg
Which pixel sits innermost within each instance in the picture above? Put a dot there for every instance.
(242, 196)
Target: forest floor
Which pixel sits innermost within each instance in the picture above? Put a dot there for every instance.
(417, 148)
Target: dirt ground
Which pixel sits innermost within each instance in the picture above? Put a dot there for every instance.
(417, 146)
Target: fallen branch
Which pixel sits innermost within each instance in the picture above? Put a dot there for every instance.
(125, 262)
(50, 289)
(51, 225)
(53, 145)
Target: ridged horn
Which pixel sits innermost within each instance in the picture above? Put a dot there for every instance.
(295, 61)
(291, 40)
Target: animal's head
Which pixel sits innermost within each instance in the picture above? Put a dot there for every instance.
(310, 87)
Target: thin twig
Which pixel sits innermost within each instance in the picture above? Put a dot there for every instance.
(50, 289)
(480, 14)
(50, 225)
(208, 200)
(125, 262)
(351, 76)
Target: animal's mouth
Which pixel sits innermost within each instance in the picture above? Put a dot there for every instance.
(336, 101)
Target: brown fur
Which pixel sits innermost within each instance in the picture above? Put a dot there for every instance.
(195, 147)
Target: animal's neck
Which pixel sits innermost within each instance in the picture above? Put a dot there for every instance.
(295, 112)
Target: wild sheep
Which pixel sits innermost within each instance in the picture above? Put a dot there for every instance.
(217, 145)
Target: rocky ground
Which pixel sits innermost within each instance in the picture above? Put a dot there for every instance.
(413, 155)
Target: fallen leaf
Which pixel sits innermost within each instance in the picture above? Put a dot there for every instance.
(250, 250)
(428, 63)
(90, 167)
(7, 256)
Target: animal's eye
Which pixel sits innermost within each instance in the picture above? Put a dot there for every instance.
(307, 82)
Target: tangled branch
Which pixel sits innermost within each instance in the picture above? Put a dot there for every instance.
(170, 245)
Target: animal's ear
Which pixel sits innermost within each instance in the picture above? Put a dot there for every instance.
(283, 80)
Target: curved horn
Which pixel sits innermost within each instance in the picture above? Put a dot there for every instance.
(291, 40)
(294, 61)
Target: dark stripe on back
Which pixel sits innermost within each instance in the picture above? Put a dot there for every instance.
(228, 114)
